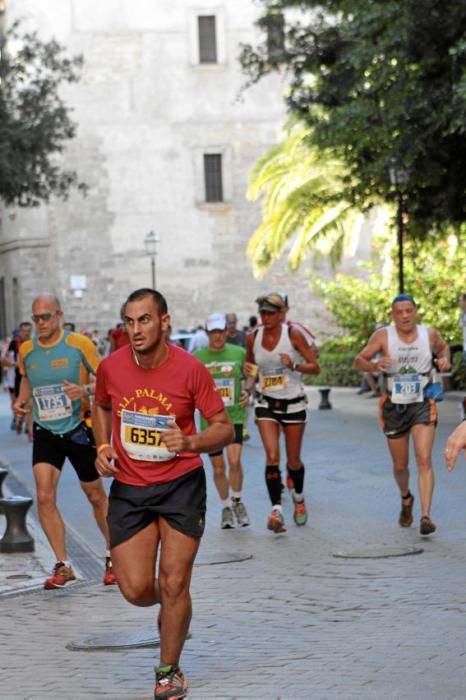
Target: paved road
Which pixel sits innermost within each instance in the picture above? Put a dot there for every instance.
(291, 622)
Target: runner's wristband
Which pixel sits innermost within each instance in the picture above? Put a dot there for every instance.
(102, 447)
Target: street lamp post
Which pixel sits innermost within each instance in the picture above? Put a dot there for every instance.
(150, 243)
(397, 178)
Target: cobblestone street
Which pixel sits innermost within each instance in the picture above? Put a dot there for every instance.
(291, 620)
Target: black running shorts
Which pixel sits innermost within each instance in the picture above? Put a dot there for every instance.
(237, 440)
(182, 502)
(78, 446)
(398, 419)
(266, 413)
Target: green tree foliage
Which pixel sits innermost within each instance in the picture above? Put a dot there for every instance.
(436, 272)
(34, 121)
(380, 83)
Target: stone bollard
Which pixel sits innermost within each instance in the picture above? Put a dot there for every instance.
(16, 537)
(324, 401)
(3, 474)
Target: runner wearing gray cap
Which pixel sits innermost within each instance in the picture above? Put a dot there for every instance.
(278, 354)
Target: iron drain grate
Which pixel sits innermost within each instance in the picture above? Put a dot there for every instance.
(378, 552)
(220, 558)
(118, 640)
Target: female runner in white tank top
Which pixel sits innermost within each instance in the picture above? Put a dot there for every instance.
(277, 355)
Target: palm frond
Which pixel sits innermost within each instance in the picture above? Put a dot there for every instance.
(300, 188)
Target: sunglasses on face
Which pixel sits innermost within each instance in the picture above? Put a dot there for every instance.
(43, 317)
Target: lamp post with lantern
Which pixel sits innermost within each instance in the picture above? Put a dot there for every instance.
(150, 244)
(398, 177)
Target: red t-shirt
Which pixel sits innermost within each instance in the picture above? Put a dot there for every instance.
(140, 398)
(120, 338)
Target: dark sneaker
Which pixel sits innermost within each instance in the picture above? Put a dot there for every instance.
(300, 512)
(227, 519)
(61, 576)
(406, 513)
(276, 521)
(240, 513)
(427, 527)
(170, 683)
(109, 576)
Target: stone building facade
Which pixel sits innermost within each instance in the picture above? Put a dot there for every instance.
(165, 143)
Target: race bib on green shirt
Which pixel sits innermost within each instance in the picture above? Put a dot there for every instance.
(226, 389)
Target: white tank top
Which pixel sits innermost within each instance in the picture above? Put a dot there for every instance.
(409, 358)
(275, 379)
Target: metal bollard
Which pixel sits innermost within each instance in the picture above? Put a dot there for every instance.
(324, 401)
(16, 537)
(3, 474)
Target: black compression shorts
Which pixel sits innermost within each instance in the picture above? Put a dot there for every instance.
(266, 413)
(238, 439)
(78, 446)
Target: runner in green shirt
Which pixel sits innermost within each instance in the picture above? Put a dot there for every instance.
(225, 362)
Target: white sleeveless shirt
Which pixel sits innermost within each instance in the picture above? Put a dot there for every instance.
(413, 358)
(276, 380)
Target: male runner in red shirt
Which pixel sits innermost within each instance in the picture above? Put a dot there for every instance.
(146, 395)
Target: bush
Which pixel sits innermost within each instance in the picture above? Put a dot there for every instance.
(336, 369)
(458, 371)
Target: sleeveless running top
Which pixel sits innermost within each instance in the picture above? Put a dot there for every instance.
(413, 358)
(276, 380)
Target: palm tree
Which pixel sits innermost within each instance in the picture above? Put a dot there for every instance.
(302, 209)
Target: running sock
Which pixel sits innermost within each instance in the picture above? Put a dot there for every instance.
(236, 495)
(297, 476)
(274, 483)
(225, 503)
(65, 562)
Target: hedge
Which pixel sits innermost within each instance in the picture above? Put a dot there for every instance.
(336, 369)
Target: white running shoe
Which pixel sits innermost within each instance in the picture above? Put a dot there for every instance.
(241, 514)
(227, 519)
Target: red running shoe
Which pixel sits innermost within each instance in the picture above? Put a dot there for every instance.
(61, 576)
(109, 576)
(169, 683)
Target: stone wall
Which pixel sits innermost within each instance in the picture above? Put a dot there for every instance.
(146, 112)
